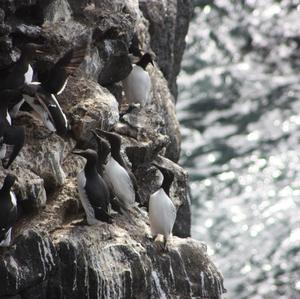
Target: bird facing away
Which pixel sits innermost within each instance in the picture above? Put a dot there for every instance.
(42, 97)
(162, 212)
(115, 174)
(93, 191)
(137, 85)
(8, 210)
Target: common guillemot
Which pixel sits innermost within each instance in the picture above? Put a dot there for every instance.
(9, 135)
(162, 211)
(8, 210)
(116, 174)
(42, 97)
(137, 85)
(93, 191)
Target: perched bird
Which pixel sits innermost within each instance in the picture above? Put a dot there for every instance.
(47, 108)
(42, 97)
(8, 210)
(115, 144)
(162, 212)
(93, 191)
(137, 85)
(15, 137)
(17, 74)
(56, 78)
(115, 173)
(9, 135)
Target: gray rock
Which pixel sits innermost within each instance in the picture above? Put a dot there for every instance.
(168, 26)
(54, 254)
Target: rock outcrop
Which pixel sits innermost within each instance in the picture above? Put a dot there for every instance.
(54, 253)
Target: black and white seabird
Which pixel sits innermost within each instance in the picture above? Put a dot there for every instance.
(19, 73)
(15, 75)
(115, 173)
(162, 212)
(115, 144)
(93, 191)
(53, 83)
(137, 85)
(9, 135)
(8, 210)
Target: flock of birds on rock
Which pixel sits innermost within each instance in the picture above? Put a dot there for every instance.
(106, 181)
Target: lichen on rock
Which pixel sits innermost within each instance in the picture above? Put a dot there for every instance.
(54, 253)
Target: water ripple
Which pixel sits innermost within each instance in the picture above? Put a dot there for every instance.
(239, 108)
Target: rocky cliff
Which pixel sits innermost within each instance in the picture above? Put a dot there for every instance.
(54, 253)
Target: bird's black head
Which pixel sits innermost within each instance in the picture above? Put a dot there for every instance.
(114, 141)
(168, 177)
(145, 60)
(103, 148)
(9, 181)
(89, 154)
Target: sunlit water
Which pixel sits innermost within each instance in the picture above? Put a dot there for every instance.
(239, 107)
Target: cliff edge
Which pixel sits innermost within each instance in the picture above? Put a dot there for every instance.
(54, 253)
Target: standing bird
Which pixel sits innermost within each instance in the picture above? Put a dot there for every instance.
(93, 191)
(162, 212)
(9, 135)
(8, 210)
(17, 74)
(115, 172)
(137, 85)
(42, 97)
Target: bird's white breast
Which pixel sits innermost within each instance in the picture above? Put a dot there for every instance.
(13, 198)
(60, 110)
(2, 151)
(162, 213)
(63, 88)
(6, 241)
(120, 182)
(8, 118)
(137, 86)
(29, 74)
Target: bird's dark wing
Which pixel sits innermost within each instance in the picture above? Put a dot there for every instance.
(98, 195)
(8, 214)
(97, 192)
(13, 136)
(57, 114)
(65, 66)
(10, 97)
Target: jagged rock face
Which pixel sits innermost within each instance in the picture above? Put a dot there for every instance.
(54, 255)
(95, 262)
(169, 21)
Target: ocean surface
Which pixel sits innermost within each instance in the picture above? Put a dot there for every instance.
(239, 108)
